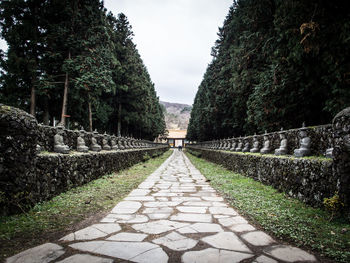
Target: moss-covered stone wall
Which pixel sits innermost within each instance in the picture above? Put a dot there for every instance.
(29, 176)
(309, 179)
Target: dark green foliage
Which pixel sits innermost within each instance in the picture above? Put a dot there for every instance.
(275, 64)
(51, 43)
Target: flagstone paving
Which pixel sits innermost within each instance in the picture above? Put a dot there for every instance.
(173, 216)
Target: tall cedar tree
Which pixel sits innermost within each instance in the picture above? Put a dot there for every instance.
(276, 63)
(71, 58)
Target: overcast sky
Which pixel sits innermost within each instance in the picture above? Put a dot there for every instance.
(174, 39)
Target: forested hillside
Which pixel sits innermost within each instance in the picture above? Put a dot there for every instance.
(72, 59)
(276, 63)
(177, 115)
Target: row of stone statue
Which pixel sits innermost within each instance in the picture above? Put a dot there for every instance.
(243, 145)
(108, 142)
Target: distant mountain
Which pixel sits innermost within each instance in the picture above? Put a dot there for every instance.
(177, 115)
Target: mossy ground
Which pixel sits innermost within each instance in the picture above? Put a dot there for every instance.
(284, 217)
(72, 210)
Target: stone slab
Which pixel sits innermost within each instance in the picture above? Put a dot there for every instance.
(289, 254)
(92, 232)
(139, 192)
(43, 254)
(176, 242)
(242, 228)
(229, 221)
(222, 211)
(78, 258)
(126, 207)
(264, 259)
(258, 238)
(201, 228)
(123, 250)
(158, 227)
(128, 237)
(211, 255)
(226, 240)
(192, 209)
(205, 218)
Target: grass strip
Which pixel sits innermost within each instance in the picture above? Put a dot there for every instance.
(286, 218)
(40, 224)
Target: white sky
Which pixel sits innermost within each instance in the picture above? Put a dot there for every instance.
(174, 39)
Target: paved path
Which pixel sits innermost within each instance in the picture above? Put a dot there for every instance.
(173, 216)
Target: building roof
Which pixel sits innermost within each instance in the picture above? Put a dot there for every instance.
(177, 134)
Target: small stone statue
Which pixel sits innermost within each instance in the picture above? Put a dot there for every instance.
(59, 146)
(120, 143)
(114, 144)
(105, 145)
(81, 147)
(329, 153)
(240, 146)
(127, 143)
(246, 146)
(266, 148)
(132, 142)
(282, 150)
(94, 145)
(233, 145)
(38, 148)
(305, 143)
(255, 148)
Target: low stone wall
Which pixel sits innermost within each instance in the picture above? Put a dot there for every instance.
(58, 173)
(308, 179)
(28, 176)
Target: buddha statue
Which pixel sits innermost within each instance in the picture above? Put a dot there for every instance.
(105, 145)
(255, 148)
(59, 146)
(329, 151)
(81, 147)
(38, 148)
(239, 146)
(120, 143)
(132, 143)
(267, 147)
(228, 144)
(127, 143)
(94, 145)
(282, 150)
(305, 143)
(233, 145)
(246, 146)
(114, 144)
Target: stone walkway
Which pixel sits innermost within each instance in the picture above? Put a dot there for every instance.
(173, 216)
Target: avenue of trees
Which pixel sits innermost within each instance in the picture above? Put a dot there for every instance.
(276, 63)
(74, 61)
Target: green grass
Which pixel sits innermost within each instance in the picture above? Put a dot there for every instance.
(286, 218)
(22, 231)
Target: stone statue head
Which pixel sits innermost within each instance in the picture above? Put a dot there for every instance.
(60, 129)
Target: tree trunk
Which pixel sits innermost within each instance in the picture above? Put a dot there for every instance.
(90, 114)
(46, 112)
(119, 119)
(65, 98)
(32, 100)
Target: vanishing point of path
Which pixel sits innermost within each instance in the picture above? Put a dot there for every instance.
(173, 216)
